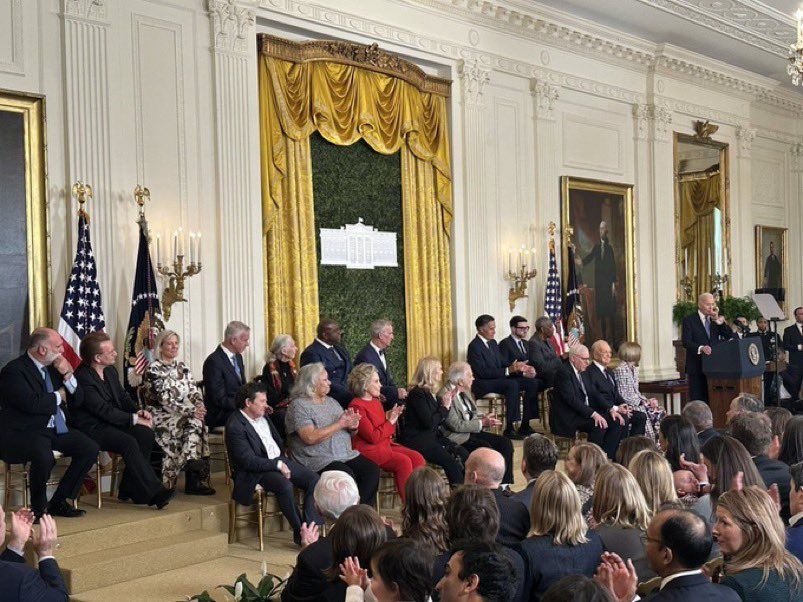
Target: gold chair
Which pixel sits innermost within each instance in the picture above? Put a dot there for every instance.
(260, 499)
(113, 472)
(387, 489)
(218, 440)
(493, 403)
(25, 486)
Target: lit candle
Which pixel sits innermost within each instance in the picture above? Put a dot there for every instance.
(181, 241)
(158, 251)
(192, 248)
(175, 244)
(198, 253)
(532, 252)
(510, 260)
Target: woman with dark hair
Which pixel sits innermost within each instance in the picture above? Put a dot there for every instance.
(424, 510)
(677, 436)
(792, 442)
(357, 534)
(629, 447)
(402, 570)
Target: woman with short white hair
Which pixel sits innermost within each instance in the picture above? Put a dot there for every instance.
(279, 376)
(177, 406)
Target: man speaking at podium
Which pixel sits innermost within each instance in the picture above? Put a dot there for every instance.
(701, 332)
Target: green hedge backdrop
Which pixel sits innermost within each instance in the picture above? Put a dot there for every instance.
(350, 182)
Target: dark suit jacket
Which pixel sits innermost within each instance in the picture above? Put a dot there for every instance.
(604, 277)
(221, 384)
(791, 339)
(545, 563)
(525, 496)
(422, 416)
(368, 355)
(694, 336)
(338, 373)
(544, 359)
(487, 363)
(792, 379)
(568, 406)
(775, 471)
(696, 588)
(602, 392)
(510, 351)
(794, 540)
(247, 456)
(708, 434)
(104, 402)
(307, 581)
(766, 342)
(21, 583)
(26, 404)
(514, 518)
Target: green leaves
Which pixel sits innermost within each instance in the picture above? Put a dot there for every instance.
(269, 588)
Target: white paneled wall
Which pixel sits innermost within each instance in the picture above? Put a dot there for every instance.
(163, 93)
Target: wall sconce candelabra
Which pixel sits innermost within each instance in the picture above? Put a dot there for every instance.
(718, 283)
(519, 273)
(687, 286)
(176, 274)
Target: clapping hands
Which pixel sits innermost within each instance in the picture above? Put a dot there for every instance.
(620, 578)
(352, 574)
(349, 420)
(21, 527)
(393, 413)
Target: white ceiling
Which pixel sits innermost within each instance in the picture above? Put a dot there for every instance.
(749, 34)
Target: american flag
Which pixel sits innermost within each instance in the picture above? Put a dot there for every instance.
(82, 311)
(552, 301)
(573, 309)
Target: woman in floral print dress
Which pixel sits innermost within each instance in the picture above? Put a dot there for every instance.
(626, 375)
(172, 397)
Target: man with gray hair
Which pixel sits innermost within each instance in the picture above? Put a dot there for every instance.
(224, 374)
(486, 467)
(742, 403)
(374, 353)
(702, 331)
(699, 414)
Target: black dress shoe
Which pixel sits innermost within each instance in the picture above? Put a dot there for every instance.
(162, 498)
(511, 434)
(62, 508)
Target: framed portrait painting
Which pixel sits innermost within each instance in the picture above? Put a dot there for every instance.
(23, 221)
(598, 217)
(771, 263)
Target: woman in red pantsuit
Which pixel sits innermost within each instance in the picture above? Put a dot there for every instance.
(374, 435)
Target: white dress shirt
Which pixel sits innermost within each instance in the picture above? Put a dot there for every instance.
(666, 580)
(263, 430)
(380, 354)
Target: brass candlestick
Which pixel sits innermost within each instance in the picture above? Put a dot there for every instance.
(173, 292)
(519, 273)
(718, 283)
(687, 286)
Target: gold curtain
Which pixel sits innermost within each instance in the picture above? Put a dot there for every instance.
(699, 197)
(345, 103)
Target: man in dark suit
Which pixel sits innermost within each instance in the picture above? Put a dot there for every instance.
(491, 373)
(34, 389)
(541, 354)
(678, 543)
(604, 396)
(256, 458)
(773, 277)
(571, 410)
(699, 414)
(604, 282)
(18, 581)
(538, 454)
(224, 374)
(374, 353)
(771, 342)
(794, 534)
(754, 431)
(328, 350)
(793, 339)
(514, 349)
(702, 331)
(486, 467)
(110, 417)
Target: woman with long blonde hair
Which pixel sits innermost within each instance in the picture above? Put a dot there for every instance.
(752, 538)
(654, 476)
(423, 415)
(559, 543)
(621, 516)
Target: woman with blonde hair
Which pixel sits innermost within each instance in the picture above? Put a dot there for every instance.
(374, 436)
(177, 406)
(654, 476)
(752, 539)
(424, 511)
(559, 543)
(621, 516)
(582, 464)
(626, 376)
(423, 416)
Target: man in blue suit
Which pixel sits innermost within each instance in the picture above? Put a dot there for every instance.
(374, 353)
(328, 350)
(491, 373)
(515, 348)
(702, 331)
(18, 581)
(794, 534)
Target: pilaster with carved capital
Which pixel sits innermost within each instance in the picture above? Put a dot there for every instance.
(661, 122)
(641, 121)
(474, 78)
(796, 153)
(745, 134)
(652, 122)
(546, 96)
(232, 25)
(85, 9)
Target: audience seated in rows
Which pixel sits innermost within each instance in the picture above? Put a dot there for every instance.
(374, 353)
(279, 376)
(654, 477)
(582, 465)
(625, 374)
(224, 374)
(424, 510)
(376, 428)
(744, 402)
(173, 399)
(630, 446)
(539, 453)
(698, 413)
(319, 432)
(464, 426)
(327, 350)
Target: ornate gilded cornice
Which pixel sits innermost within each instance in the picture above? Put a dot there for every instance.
(359, 55)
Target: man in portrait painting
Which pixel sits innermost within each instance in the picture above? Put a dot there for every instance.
(604, 282)
(772, 269)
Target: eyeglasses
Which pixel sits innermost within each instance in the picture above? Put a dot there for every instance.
(585, 359)
(653, 540)
(522, 328)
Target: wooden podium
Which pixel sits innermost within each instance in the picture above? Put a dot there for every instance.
(734, 367)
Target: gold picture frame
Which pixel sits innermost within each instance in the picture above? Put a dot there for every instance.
(776, 284)
(585, 204)
(30, 110)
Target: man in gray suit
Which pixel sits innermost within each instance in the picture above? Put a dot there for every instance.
(541, 354)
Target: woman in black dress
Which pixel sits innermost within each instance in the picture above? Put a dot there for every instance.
(278, 376)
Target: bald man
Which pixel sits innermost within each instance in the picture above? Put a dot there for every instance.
(35, 390)
(486, 467)
(571, 409)
(701, 332)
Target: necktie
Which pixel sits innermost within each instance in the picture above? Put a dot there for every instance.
(521, 347)
(708, 326)
(610, 378)
(583, 388)
(58, 418)
(236, 367)
(601, 249)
